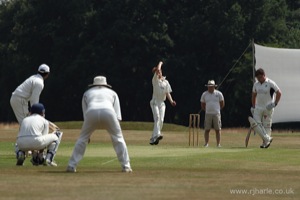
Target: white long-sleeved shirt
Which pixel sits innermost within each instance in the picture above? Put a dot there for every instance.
(30, 89)
(34, 125)
(101, 97)
(160, 88)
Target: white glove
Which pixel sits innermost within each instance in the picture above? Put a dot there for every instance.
(252, 110)
(271, 106)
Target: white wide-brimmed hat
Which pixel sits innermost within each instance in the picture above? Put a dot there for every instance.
(211, 83)
(100, 81)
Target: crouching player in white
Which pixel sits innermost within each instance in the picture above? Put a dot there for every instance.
(33, 135)
(101, 109)
(263, 104)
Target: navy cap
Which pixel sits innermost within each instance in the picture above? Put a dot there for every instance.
(37, 108)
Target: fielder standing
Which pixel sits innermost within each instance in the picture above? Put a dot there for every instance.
(265, 97)
(212, 101)
(161, 90)
(28, 91)
(33, 135)
(101, 108)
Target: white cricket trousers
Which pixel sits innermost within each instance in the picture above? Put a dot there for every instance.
(104, 118)
(158, 110)
(264, 117)
(26, 143)
(20, 107)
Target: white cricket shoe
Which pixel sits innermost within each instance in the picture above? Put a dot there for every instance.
(127, 170)
(71, 169)
(219, 146)
(50, 163)
(206, 145)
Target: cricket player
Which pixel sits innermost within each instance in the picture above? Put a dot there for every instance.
(212, 101)
(33, 135)
(265, 97)
(28, 91)
(101, 109)
(161, 90)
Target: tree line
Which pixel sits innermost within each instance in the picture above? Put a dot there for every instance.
(123, 40)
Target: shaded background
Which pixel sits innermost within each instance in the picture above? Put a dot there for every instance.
(124, 39)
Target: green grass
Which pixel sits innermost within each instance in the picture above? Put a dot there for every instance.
(170, 170)
(125, 126)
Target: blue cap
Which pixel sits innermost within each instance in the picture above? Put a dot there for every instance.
(37, 108)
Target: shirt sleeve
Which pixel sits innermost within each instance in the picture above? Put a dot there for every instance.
(46, 128)
(117, 107)
(221, 96)
(84, 105)
(202, 100)
(254, 88)
(168, 88)
(274, 86)
(37, 88)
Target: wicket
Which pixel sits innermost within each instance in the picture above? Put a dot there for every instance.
(194, 129)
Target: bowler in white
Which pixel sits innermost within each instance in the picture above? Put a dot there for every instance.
(161, 90)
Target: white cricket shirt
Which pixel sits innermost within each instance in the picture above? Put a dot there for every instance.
(100, 97)
(34, 125)
(31, 89)
(160, 88)
(212, 101)
(265, 92)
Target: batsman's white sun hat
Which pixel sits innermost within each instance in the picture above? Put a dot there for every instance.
(100, 81)
(211, 83)
(43, 68)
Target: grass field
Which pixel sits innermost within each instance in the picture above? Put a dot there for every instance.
(170, 170)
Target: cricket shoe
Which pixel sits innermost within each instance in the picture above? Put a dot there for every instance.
(156, 141)
(50, 163)
(20, 158)
(206, 145)
(127, 170)
(269, 143)
(71, 169)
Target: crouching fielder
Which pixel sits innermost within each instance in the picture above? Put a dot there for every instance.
(101, 108)
(265, 97)
(33, 136)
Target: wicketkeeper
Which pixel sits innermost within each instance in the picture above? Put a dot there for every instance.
(33, 135)
(263, 104)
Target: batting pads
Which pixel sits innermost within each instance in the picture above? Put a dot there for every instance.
(52, 148)
(258, 128)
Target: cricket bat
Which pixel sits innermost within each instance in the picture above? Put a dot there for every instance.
(248, 137)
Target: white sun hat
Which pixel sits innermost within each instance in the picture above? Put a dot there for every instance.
(100, 81)
(211, 83)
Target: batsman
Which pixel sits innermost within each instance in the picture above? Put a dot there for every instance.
(265, 97)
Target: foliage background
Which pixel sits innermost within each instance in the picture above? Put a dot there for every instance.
(124, 39)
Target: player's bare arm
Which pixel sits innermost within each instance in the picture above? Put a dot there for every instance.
(278, 96)
(222, 104)
(52, 126)
(203, 106)
(169, 96)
